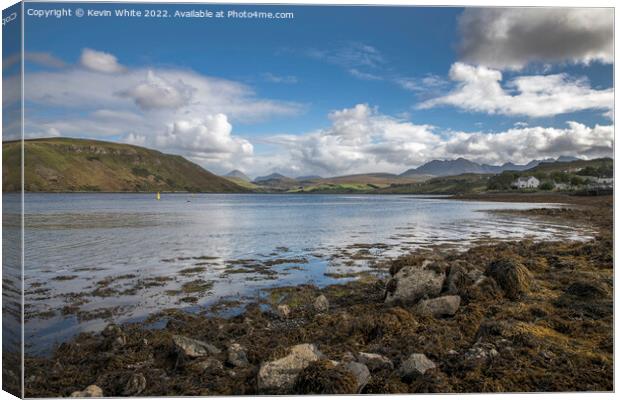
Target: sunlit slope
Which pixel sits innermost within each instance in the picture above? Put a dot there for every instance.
(69, 165)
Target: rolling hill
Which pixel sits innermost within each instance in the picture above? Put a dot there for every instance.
(74, 165)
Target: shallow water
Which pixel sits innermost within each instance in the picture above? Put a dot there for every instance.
(237, 243)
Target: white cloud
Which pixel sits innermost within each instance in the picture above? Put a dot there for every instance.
(478, 89)
(175, 110)
(162, 92)
(513, 37)
(208, 136)
(156, 92)
(100, 61)
(360, 139)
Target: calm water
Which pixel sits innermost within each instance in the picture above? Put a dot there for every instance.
(78, 243)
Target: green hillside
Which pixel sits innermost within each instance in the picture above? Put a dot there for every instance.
(68, 165)
(465, 183)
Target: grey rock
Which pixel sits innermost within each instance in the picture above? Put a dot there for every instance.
(375, 362)
(210, 364)
(321, 304)
(135, 385)
(360, 372)
(445, 305)
(480, 353)
(90, 391)
(413, 283)
(112, 330)
(280, 375)
(237, 355)
(194, 348)
(417, 364)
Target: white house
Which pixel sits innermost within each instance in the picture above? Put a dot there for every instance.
(526, 182)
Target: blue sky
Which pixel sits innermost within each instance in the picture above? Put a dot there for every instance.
(335, 90)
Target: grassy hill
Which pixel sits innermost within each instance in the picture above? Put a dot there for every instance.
(464, 183)
(69, 165)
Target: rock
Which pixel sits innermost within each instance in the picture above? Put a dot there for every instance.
(361, 374)
(90, 391)
(120, 340)
(237, 356)
(348, 357)
(284, 311)
(413, 283)
(210, 364)
(458, 279)
(135, 385)
(112, 330)
(280, 375)
(480, 352)
(321, 304)
(417, 364)
(375, 362)
(512, 277)
(446, 305)
(194, 348)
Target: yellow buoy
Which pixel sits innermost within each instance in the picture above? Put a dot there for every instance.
(158, 196)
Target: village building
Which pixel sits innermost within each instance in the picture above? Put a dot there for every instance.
(526, 182)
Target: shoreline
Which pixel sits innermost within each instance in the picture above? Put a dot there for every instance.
(358, 321)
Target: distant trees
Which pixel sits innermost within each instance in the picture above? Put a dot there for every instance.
(603, 171)
(547, 185)
(502, 181)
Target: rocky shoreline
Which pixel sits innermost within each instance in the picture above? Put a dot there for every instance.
(500, 317)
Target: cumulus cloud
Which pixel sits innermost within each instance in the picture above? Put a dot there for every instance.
(100, 61)
(478, 89)
(175, 110)
(202, 136)
(157, 92)
(361, 139)
(513, 37)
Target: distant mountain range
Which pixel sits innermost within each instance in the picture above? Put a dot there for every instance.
(464, 166)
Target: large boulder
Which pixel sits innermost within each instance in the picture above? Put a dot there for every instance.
(375, 362)
(440, 306)
(412, 283)
(193, 348)
(416, 365)
(90, 391)
(512, 277)
(280, 375)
